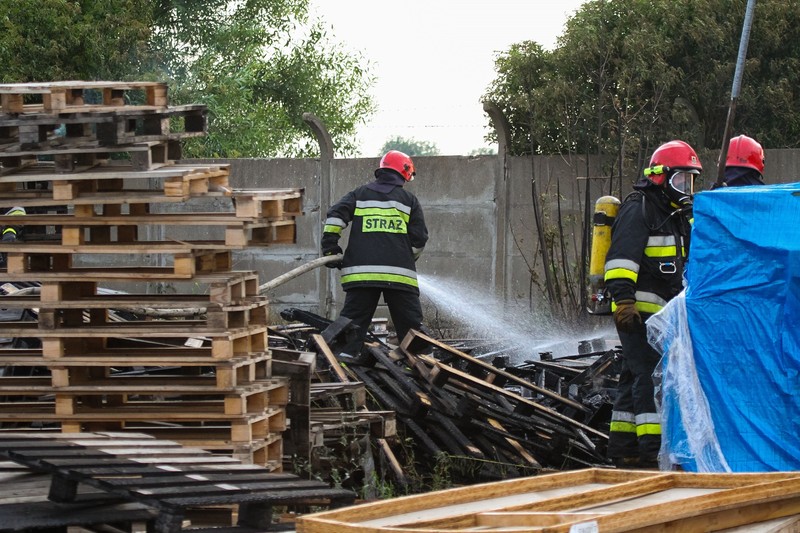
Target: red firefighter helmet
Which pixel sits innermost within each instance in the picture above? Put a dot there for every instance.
(399, 162)
(671, 156)
(745, 152)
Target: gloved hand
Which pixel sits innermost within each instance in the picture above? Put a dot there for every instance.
(333, 250)
(627, 317)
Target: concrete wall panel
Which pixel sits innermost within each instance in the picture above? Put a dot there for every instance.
(458, 197)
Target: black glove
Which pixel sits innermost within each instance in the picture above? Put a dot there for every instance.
(333, 250)
(627, 317)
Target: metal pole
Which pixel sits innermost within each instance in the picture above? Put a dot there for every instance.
(737, 85)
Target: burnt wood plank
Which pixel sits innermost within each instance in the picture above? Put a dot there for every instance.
(32, 516)
(419, 341)
(175, 485)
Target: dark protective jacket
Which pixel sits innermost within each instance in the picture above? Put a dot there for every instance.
(387, 235)
(12, 233)
(739, 176)
(649, 248)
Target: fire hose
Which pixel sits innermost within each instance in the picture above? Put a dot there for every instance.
(302, 269)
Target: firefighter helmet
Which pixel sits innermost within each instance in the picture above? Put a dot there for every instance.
(671, 156)
(673, 167)
(744, 151)
(399, 162)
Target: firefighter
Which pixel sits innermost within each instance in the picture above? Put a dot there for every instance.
(643, 271)
(744, 164)
(12, 233)
(387, 236)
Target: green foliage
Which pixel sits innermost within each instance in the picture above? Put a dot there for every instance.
(409, 147)
(628, 75)
(52, 40)
(257, 65)
(483, 150)
(260, 65)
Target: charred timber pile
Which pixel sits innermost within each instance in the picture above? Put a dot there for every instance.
(495, 422)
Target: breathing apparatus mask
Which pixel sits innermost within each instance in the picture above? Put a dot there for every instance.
(677, 184)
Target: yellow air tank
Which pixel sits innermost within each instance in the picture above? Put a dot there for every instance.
(605, 210)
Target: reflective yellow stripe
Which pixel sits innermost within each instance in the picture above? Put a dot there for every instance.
(622, 427)
(9, 230)
(393, 278)
(381, 212)
(660, 251)
(332, 229)
(647, 307)
(648, 429)
(621, 273)
(643, 307)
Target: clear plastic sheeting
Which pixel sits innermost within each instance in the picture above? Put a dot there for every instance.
(735, 339)
(687, 429)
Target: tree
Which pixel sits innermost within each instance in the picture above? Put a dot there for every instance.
(257, 65)
(483, 150)
(51, 40)
(409, 147)
(628, 75)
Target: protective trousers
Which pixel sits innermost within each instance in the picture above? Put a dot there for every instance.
(360, 304)
(635, 432)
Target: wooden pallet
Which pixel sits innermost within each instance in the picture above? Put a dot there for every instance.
(173, 392)
(589, 500)
(25, 508)
(231, 288)
(108, 184)
(71, 96)
(45, 261)
(216, 318)
(270, 204)
(237, 232)
(223, 344)
(227, 374)
(161, 475)
(43, 132)
(112, 171)
(77, 156)
(197, 366)
(242, 430)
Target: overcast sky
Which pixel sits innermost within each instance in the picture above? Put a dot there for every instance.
(434, 59)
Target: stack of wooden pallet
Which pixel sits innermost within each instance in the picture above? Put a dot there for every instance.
(96, 166)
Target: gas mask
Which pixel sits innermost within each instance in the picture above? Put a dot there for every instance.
(679, 187)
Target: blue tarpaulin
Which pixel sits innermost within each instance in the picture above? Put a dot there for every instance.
(741, 361)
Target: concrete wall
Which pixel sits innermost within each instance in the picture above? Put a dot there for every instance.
(479, 212)
(467, 201)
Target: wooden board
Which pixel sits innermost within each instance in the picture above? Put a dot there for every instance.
(590, 500)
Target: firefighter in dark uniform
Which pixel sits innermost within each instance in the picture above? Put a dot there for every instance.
(643, 271)
(11, 233)
(387, 236)
(744, 164)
